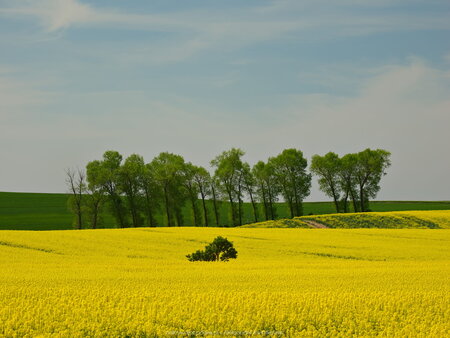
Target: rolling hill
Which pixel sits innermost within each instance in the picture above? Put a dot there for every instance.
(431, 219)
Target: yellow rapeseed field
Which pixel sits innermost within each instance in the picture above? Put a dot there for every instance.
(290, 282)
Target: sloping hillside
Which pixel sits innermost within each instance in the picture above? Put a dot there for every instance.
(432, 219)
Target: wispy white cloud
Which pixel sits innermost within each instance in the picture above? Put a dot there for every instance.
(243, 24)
(53, 14)
(403, 108)
(196, 31)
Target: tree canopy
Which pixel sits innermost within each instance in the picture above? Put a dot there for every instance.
(167, 189)
(220, 249)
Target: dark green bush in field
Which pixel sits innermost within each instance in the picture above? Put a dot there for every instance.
(221, 249)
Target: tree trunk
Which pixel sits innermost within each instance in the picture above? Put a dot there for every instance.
(361, 197)
(296, 198)
(133, 211)
(255, 214)
(291, 208)
(300, 208)
(336, 202)
(149, 208)
(150, 216)
(344, 201)
(240, 204)
(297, 205)
(119, 214)
(233, 216)
(194, 210)
(205, 211)
(216, 211)
(80, 221)
(272, 216)
(354, 200)
(179, 217)
(95, 212)
(166, 198)
(264, 202)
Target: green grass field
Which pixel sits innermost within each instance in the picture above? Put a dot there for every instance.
(33, 211)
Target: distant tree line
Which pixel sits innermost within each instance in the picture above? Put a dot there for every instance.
(352, 178)
(135, 192)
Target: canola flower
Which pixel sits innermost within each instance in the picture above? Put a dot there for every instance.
(285, 282)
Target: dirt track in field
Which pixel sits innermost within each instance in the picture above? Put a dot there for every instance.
(314, 224)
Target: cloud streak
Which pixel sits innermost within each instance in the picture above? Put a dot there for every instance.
(195, 31)
(401, 107)
(252, 23)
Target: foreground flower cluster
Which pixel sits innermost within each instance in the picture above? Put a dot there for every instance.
(295, 282)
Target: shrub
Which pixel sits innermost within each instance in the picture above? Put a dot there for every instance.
(221, 249)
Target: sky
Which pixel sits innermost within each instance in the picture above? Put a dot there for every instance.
(197, 77)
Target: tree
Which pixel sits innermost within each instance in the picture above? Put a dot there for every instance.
(203, 180)
(214, 184)
(94, 205)
(250, 187)
(152, 193)
(228, 172)
(221, 249)
(95, 194)
(261, 189)
(267, 188)
(168, 173)
(76, 181)
(105, 176)
(295, 182)
(130, 177)
(189, 171)
(328, 168)
(347, 181)
(370, 168)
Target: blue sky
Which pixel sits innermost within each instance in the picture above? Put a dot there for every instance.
(197, 77)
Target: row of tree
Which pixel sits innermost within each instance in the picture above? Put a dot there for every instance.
(136, 192)
(354, 177)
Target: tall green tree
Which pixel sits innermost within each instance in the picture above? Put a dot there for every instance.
(267, 188)
(250, 188)
(130, 182)
(152, 193)
(261, 189)
(189, 171)
(168, 169)
(347, 181)
(203, 180)
(215, 195)
(94, 206)
(371, 167)
(228, 166)
(106, 177)
(295, 182)
(328, 168)
(96, 194)
(76, 182)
